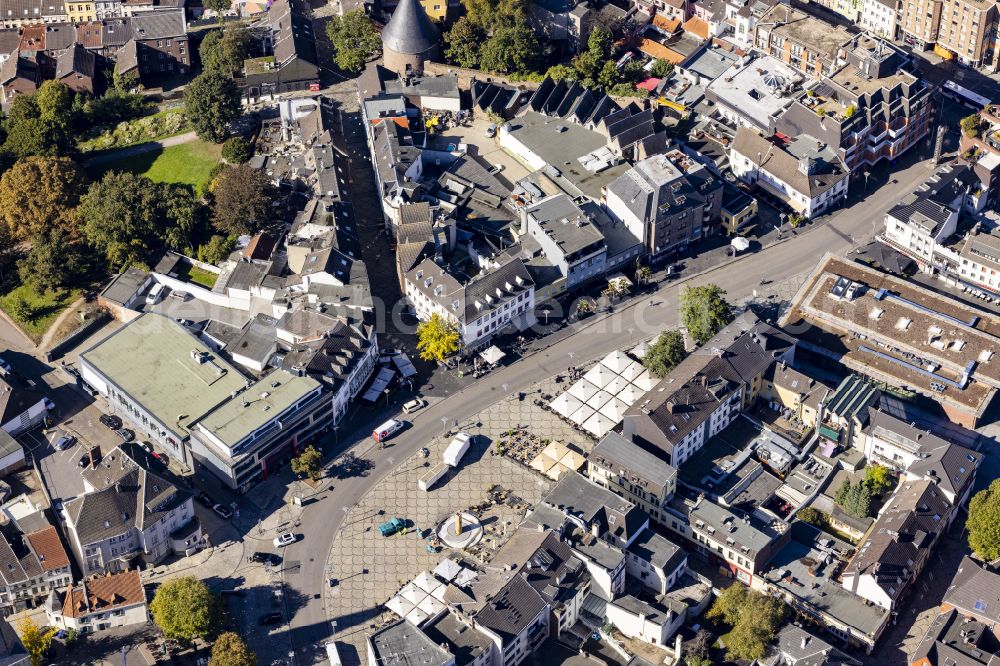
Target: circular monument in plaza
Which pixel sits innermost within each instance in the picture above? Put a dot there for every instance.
(460, 530)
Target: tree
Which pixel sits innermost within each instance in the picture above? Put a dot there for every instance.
(754, 617)
(41, 123)
(123, 217)
(36, 640)
(607, 78)
(491, 15)
(230, 650)
(560, 72)
(242, 200)
(55, 103)
(220, 7)
(970, 125)
(225, 50)
(437, 338)
(53, 262)
(877, 478)
(643, 274)
(236, 150)
(41, 193)
(184, 216)
(664, 354)
(464, 42)
(704, 311)
(354, 40)
(984, 522)
(309, 463)
(184, 608)
(125, 82)
(855, 498)
(513, 49)
(810, 515)
(211, 101)
(662, 69)
(217, 249)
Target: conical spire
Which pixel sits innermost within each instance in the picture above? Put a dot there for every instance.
(409, 30)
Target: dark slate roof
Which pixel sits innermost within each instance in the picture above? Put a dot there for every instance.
(577, 496)
(657, 550)
(620, 455)
(159, 25)
(513, 608)
(798, 646)
(951, 466)
(75, 60)
(128, 57)
(975, 590)
(331, 358)
(956, 641)
(409, 30)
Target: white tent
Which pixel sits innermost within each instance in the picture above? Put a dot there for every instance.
(599, 376)
(447, 570)
(598, 399)
(412, 593)
(583, 390)
(616, 361)
(425, 581)
(645, 381)
(630, 372)
(616, 385)
(582, 414)
(630, 395)
(740, 244)
(565, 404)
(614, 409)
(598, 425)
(416, 617)
(466, 576)
(431, 606)
(639, 351)
(492, 354)
(399, 605)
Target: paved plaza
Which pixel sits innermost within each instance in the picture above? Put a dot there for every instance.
(370, 568)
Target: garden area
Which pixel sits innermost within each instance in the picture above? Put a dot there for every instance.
(138, 130)
(188, 163)
(33, 311)
(191, 273)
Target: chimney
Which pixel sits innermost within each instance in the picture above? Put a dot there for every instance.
(805, 641)
(677, 648)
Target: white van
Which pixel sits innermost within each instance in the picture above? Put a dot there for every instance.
(387, 430)
(155, 294)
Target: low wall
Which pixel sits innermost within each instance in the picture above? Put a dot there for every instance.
(465, 76)
(203, 294)
(77, 336)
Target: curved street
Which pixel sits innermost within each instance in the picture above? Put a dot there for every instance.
(629, 324)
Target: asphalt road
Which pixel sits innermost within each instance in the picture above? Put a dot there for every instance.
(628, 325)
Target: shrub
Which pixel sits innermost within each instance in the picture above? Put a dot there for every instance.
(236, 150)
(136, 131)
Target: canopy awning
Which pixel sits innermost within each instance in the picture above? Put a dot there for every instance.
(492, 354)
(565, 404)
(740, 244)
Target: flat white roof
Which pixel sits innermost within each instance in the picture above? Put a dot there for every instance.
(749, 88)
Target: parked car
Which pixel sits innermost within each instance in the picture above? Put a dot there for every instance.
(112, 422)
(155, 294)
(5, 368)
(491, 131)
(179, 295)
(285, 539)
(223, 511)
(126, 434)
(387, 430)
(84, 461)
(266, 558)
(390, 527)
(205, 499)
(413, 405)
(185, 322)
(495, 169)
(270, 619)
(64, 442)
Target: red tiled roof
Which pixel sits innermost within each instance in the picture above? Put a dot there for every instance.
(89, 35)
(696, 27)
(104, 593)
(48, 548)
(32, 38)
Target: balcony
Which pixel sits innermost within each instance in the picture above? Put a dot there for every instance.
(878, 133)
(897, 127)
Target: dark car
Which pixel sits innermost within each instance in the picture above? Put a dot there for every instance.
(84, 461)
(269, 619)
(110, 421)
(266, 558)
(126, 434)
(205, 499)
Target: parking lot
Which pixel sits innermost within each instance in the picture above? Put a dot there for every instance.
(488, 151)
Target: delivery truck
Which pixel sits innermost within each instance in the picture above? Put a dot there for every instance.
(457, 449)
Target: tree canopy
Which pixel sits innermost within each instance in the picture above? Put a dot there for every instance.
(230, 650)
(512, 50)
(855, 498)
(983, 523)
(225, 50)
(664, 354)
(354, 40)
(184, 608)
(754, 619)
(877, 477)
(464, 42)
(216, 249)
(704, 311)
(218, 6)
(36, 640)
(211, 102)
(242, 200)
(41, 193)
(970, 125)
(125, 216)
(237, 150)
(309, 462)
(53, 262)
(437, 338)
(41, 123)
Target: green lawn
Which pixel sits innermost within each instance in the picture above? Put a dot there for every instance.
(45, 306)
(199, 276)
(188, 164)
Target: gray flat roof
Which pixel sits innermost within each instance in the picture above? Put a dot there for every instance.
(749, 89)
(171, 373)
(402, 644)
(560, 218)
